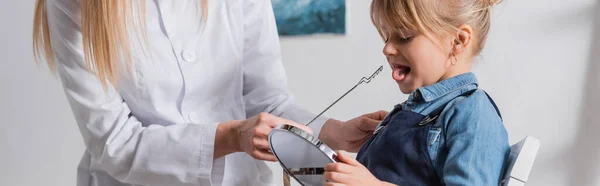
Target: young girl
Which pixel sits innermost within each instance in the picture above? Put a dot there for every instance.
(448, 132)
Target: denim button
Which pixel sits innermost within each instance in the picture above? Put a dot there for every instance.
(417, 96)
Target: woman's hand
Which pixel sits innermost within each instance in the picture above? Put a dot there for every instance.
(252, 135)
(352, 134)
(349, 172)
(357, 131)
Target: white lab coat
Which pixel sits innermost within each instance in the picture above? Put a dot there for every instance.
(158, 127)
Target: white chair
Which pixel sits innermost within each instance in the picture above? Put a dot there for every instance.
(522, 156)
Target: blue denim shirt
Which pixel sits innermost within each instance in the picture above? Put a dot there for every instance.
(468, 143)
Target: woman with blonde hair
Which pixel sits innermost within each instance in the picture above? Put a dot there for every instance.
(176, 92)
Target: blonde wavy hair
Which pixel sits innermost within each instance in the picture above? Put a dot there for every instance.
(105, 28)
(435, 18)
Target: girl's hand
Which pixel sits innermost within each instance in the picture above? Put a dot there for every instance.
(349, 172)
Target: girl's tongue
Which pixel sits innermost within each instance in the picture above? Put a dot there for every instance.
(400, 72)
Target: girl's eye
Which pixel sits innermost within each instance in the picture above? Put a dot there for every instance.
(405, 40)
(397, 38)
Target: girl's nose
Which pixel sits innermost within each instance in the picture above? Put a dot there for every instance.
(389, 50)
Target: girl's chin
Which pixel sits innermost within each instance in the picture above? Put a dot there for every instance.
(406, 89)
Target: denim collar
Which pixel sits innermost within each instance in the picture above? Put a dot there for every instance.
(440, 89)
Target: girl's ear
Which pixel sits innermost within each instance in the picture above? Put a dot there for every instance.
(462, 39)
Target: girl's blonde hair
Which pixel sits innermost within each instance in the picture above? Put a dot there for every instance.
(105, 27)
(434, 18)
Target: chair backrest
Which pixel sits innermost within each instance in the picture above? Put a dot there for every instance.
(522, 156)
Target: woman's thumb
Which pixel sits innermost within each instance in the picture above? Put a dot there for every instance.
(303, 127)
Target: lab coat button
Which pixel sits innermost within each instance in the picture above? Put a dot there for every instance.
(188, 55)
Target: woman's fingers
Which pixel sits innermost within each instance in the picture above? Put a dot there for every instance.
(263, 155)
(272, 121)
(303, 127)
(261, 144)
(262, 131)
(379, 115)
(258, 132)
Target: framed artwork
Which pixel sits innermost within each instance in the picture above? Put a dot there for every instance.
(307, 17)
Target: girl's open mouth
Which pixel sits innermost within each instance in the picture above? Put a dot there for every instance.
(399, 72)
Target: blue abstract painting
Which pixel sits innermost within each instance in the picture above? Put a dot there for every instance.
(305, 17)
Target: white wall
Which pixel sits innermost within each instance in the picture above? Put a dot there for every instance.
(39, 140)
(541, 65)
